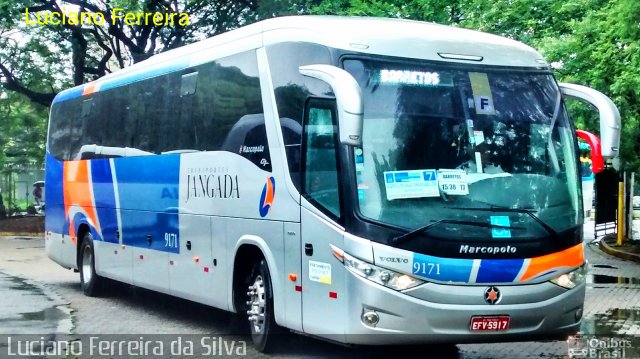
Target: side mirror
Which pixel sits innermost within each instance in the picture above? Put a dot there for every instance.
(348, 100)
(609, 116)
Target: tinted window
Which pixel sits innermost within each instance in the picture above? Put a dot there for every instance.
(227, 90)
(59, 129)
(190, 110)
(292, 90)
(320, 164)
(248, 138)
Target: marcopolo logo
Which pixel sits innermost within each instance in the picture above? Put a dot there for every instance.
(251, 149)
(266, 198)
(465, 248)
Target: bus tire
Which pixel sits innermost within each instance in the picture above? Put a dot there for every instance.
(260, 306)
(90, 281)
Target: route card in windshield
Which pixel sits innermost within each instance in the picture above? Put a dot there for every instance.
(411, 184)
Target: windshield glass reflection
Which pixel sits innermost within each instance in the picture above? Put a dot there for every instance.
(450, 142)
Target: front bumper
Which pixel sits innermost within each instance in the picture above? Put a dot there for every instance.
(405, 319)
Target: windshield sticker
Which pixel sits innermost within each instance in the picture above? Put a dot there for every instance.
(482, 97)
(478, 137)
(320, 272)
(500, 232)
(414, 78)
(411, 184)
(453, 182)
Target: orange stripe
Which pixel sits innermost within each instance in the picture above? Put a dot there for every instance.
(570, 258)
(269, 197)
(77, 191)
(89, 89)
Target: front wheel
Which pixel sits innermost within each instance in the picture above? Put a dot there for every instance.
(91, 282)
(260, 306)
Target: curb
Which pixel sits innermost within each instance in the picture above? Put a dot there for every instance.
(618, 253)
(21, 234)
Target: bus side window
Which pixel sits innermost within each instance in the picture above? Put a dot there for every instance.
(248, 138)
(59, 132)
(291, 90)
(320, 177)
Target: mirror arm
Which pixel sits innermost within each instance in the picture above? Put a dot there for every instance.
(609, 116)
(348, 100)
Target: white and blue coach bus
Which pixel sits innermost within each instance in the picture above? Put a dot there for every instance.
(339, 177)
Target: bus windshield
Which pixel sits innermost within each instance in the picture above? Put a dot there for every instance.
(470, 152)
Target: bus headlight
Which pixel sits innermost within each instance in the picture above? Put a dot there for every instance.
(383, 276)
(572, 279)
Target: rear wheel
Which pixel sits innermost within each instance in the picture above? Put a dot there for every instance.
(91, 282)
(260, 306)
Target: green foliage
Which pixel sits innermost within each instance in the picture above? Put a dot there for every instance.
(22, 134)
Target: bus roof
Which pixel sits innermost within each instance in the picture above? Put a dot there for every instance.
(380, 36)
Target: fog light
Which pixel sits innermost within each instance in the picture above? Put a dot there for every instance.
(578, 314)
(368, 271)
(370, 318)
(385, 276)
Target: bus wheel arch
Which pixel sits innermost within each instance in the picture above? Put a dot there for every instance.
(253, 294)
(83, 229)
(90, 281)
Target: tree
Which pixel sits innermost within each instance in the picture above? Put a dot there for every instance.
(32, 57)
(22, 133)
(602, 52)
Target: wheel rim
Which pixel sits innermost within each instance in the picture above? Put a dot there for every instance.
(257, 305)
(87, 257)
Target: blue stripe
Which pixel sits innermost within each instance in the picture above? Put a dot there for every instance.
(442, 269)
(148, 193)
(69, 94)
(499, 270)
(104, 197)
(137, 75)
(54, 219)
(142, 74)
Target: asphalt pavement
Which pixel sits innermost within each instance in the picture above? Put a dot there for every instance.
(44, 299)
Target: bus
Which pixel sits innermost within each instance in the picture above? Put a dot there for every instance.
(362, 180)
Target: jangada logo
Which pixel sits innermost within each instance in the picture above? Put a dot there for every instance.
(266, 198)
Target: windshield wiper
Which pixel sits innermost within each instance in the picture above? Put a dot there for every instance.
(407, 236)
(528, 212)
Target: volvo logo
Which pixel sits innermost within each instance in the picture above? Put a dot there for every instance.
(492, 295)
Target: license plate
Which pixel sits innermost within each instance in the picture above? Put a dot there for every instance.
(495, 324)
